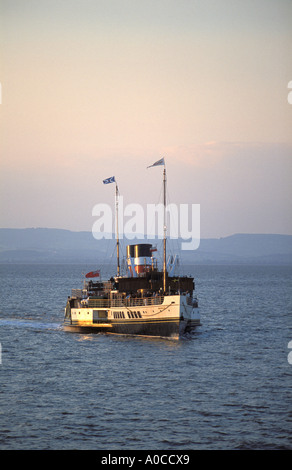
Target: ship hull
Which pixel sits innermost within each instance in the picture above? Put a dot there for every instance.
(160, 329)
(172, 319)
(163, 329)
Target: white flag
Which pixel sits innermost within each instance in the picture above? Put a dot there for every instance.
(159, 162)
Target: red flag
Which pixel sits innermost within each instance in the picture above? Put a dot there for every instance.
(92, 274)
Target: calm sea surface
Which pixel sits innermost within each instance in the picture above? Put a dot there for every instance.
(226, 386)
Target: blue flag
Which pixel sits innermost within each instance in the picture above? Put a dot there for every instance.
(109, 180)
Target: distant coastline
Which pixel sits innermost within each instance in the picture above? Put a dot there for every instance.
(46, 245)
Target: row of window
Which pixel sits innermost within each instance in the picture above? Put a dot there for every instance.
(119, 315)
(135, 314)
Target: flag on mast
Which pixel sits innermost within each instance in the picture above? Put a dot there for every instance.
(109, 180)
(159, 162)
(93, 274)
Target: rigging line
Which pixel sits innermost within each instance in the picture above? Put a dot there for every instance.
(174, 242)
(123, 259)
(107, 263)
(160, 311)
(153, 221)
(142, 306)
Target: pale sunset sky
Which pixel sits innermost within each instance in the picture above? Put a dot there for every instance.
(96, 88)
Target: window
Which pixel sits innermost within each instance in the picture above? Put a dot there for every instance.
(119, 314)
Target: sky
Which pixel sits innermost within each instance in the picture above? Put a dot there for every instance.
(96, 88)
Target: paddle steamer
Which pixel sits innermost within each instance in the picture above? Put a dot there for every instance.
(146, 301)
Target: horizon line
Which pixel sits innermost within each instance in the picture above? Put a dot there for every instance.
(148, 236)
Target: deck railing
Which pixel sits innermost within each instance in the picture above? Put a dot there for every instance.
(131, 302)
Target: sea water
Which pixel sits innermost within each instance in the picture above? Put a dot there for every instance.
(225, 386)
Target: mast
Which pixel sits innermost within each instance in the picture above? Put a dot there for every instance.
(112, 179)
(164, 230)
(158, 163)
(117, 229)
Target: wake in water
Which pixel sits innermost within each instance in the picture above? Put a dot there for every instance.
(30, 323)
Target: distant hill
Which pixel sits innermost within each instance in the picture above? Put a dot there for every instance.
(43, 245)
